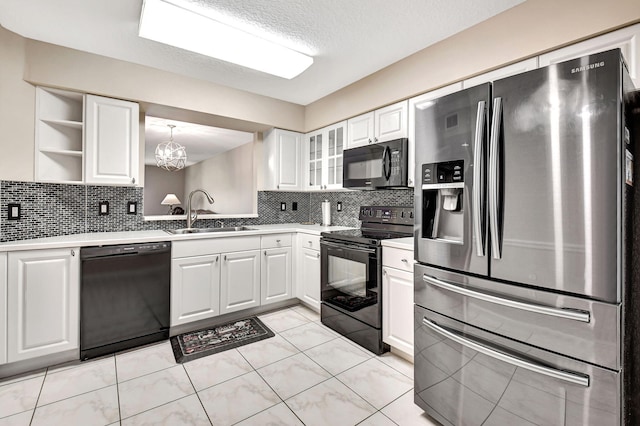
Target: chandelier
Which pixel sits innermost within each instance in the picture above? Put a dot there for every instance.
(171, 155)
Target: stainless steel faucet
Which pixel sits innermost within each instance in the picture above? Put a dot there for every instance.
(192, 217)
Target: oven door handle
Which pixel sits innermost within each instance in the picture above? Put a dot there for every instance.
(565, 376)
(570, 314)
(347, 247)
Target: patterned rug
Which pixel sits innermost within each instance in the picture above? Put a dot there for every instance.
(198, 344)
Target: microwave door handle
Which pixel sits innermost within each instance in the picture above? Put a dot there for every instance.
(566, 376)
(478, 179)
(386, 157)
(494, 177)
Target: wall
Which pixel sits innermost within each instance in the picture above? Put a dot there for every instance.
(17, 106)
(531, 28)
(50, 209)
(230, 179)
(159, 183)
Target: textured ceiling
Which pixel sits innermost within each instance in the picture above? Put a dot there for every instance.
(349, 39)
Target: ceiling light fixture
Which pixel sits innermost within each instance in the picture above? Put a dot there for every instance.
(167, 23)
(171, 155)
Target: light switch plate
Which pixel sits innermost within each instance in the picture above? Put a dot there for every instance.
(132, 207)
(14, 211)
(103, 208)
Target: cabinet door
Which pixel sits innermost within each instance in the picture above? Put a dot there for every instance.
(309, 277)
(627, 39)
(419, 103)
(195, 288)
(314, 146)
(111, 141)
(360, 130)
(282, 160)
(275, 277)
(3, 308)
(240, 281)
(43, 303)
(397, 309)
(391, 122)
(335, 135)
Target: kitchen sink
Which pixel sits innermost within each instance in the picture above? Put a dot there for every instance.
(208, 230)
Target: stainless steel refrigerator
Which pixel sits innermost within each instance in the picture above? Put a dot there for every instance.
(523, 288)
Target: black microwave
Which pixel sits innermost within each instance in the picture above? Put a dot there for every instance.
(381, 165)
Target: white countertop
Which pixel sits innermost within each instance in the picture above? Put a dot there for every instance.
(401, 243)
(130, 237)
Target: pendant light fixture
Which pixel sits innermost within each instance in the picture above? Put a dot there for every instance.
(171, 155)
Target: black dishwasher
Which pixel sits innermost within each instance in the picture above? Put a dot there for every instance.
(125, 297)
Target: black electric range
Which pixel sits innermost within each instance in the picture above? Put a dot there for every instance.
(351, 274)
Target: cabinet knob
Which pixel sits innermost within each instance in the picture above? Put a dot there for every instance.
(265, 252)
(318, 256)
(278, 186)
(133, 180)
(225, 257)
(369, 140)
(384, 272)
(310, 242)
(278, 241)
(375, 140)
(410, 181)
(73, 252)
(217, 259)
(405, 261)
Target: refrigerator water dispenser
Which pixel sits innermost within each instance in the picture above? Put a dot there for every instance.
(442, 195)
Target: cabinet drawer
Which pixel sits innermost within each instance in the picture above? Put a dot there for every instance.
(206, 246)
(275, 241)
(398, 258)
(309, 241)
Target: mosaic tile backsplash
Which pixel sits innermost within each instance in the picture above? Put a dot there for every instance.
(50, 209)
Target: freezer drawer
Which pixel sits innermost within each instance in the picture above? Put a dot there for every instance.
(467, 376)
(577, 327)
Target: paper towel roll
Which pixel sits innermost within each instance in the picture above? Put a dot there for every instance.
(326, 213)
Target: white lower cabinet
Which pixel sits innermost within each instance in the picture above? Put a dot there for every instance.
(275, 276)
(195, 288)
(240, 281)
(308, 277)
(397, 299)
(43, 303)
(3, 308)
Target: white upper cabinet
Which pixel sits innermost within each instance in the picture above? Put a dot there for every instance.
(418, 103)
(59, 136)
(85, 139)
(391, 122)
(111, 141)
(282, 160)
(323, 157)
(361, 130)
(627, 39)
(507, 71)
(381, 125)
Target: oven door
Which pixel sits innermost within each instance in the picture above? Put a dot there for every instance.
(350, 280)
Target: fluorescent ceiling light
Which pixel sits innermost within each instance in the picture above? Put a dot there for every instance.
(169, 24)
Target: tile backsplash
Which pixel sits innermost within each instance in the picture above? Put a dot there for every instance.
(50, 209)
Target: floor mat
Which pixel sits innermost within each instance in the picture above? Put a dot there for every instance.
(198, 344)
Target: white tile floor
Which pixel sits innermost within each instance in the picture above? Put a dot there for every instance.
(305, 375)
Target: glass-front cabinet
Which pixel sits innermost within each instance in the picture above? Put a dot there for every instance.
(323, 153)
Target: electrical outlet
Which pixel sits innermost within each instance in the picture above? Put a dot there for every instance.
(283, 206)
(14, 211)
(339, 206)
(132, 207)
(103, 208)
(294, 206)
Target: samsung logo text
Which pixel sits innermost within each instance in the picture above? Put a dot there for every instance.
(587, 67)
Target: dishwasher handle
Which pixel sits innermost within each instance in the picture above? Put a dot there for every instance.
(125, 250)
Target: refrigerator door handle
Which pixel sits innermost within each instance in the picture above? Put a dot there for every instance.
(565, 376)
(478, 178)
(494, 178)
(570, 314)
